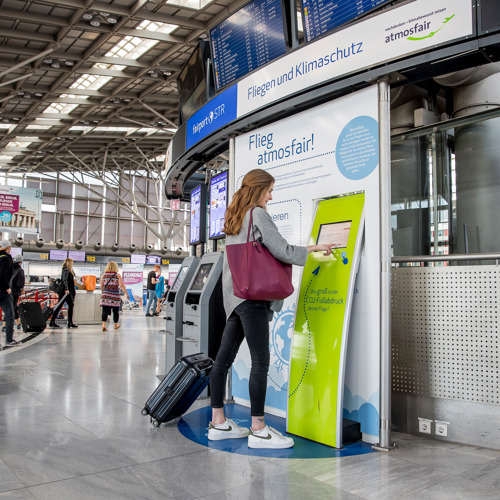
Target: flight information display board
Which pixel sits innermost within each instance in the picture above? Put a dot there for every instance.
(321, 16)
(218, 204)
(198, 219)
(249, 38)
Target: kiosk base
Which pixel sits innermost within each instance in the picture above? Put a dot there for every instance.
(351, 432)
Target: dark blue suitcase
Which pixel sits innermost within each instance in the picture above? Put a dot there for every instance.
(179, 389)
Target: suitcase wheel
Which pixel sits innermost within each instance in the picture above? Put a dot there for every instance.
(144, 412)
(155, 422)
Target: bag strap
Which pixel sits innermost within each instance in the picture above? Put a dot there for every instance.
(250, 226)
(109, 279)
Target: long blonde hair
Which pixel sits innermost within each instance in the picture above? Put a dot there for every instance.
(254, 185)
(68, 263)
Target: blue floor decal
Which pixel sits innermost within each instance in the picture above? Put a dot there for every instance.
(194, 426)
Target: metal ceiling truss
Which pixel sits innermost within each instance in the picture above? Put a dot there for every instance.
(143, 97)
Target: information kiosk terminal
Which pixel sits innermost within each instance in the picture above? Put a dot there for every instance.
(174, 308)
(203, 314)
(319, 345)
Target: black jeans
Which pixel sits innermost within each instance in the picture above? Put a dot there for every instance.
(106, 311)
(69, 299)
(249, 320)
(15, 300)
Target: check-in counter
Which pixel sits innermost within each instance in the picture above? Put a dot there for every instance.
(87, 310)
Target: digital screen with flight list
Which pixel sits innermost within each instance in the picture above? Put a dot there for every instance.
(218, 203)
(321, 16)
(249, 38)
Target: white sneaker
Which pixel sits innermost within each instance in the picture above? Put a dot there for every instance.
(268, 437)
(228, 430)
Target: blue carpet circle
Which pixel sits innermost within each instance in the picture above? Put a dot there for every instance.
(194, 426)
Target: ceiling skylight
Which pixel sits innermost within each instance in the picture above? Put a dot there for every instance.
(131, 47)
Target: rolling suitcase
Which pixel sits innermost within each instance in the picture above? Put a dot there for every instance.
(31, 316)
(179, 389)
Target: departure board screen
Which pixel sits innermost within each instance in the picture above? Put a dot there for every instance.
(218, 204)
(249, 38)
(198, 219)
(321, 16)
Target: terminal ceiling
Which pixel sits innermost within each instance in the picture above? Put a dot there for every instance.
(91, 85)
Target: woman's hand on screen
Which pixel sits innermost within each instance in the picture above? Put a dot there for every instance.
(327, 248)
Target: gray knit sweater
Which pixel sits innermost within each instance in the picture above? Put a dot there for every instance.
(267, 233)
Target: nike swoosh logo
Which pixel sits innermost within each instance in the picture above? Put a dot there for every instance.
(229, 429)
(262, 437)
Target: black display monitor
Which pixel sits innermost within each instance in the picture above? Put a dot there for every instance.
(198, 219)
(218, 205)
(58, 254)
(137, 258)
(250, 37)
(321, 16)
(153, 259)
(201, 277)
(192, 81)
(335, 234)
(77, 255)
(179, 279)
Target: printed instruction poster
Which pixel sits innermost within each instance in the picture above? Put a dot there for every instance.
(323, 152)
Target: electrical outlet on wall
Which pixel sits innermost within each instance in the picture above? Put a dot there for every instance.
(441, 428)
(424, 425)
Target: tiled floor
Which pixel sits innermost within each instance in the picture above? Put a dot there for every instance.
(71, 427)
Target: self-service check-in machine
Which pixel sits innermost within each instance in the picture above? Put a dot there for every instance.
(203, 313)
(174, 309)
(317, 367)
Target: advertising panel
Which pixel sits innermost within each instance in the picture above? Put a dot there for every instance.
(20, 209)
(133, 280)
(323, 152)
(409, 29)
(406, 30)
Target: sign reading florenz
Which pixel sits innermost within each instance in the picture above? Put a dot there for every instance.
(396, 33)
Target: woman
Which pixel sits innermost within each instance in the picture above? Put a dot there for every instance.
(160, 287)
(111, 282)
(249, 319)
(68, 293)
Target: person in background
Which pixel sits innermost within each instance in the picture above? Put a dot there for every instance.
(160, 287)
(67, 295)
(17, 286)
(6, 270)
(111, 283)
(151, 287)
(249, 319)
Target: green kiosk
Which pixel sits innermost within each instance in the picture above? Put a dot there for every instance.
(319, 345)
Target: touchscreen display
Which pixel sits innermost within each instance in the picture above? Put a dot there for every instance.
(201, 277)
(179, 279)
(335, 234)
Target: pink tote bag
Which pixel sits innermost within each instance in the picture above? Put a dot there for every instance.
(257, 275)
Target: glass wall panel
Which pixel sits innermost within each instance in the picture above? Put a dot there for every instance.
(446, 190)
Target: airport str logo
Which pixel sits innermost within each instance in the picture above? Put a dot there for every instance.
(418, 29)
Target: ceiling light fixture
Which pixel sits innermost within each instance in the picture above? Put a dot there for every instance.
(112, 19)
(87, 16)
(95, 21)
(56, 64)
